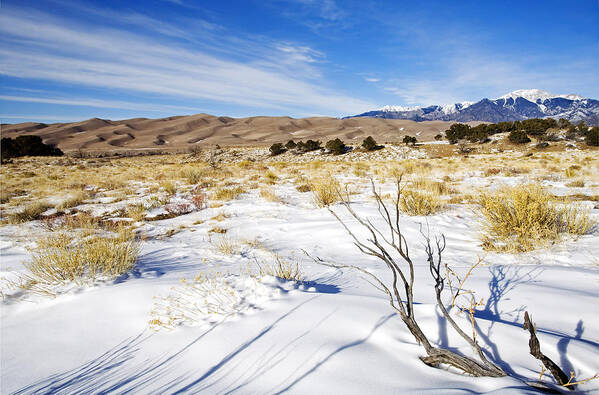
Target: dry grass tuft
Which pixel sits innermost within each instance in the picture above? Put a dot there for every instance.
(326, 191)
(30, 213)
(269, 195)
(58, 260)
(523, 217)
(73, 201)
(575, 184)
(420, 203)
(228, 193)
(280, 268)
(227, 246)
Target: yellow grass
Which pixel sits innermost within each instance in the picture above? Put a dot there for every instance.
(269, 194)
(413, 202)
(327, 191)
(281, 268)
(31, 212)
(226, 194)
(59, 259)
(524, 217)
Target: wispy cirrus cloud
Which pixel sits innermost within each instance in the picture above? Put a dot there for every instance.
(278, 76)
(96, 103)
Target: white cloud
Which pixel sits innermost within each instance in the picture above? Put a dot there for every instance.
(86, 102)
(370, 79)
(38, 46)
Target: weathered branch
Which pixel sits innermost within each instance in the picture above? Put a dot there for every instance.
(535, 351)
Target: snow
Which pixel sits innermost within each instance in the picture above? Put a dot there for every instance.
(398, 108)
(334, 333)
(534, 95)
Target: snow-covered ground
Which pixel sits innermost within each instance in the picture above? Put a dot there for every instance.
(333, 333)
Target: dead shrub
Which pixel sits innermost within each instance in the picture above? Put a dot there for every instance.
(523, 217)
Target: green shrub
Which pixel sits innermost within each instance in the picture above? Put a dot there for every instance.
(310, 145)
(410, 140)
(27, 146)
(369, 144)
(518, 137)
(276, 149)
(592, 137)
(336, 146)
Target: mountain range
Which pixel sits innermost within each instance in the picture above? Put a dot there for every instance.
(514, 106)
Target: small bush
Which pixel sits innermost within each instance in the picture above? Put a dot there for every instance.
(310, 145)
(179, 208)
(198, 199)
(420, 203)
(227, 246)
(518, 137)
(410, 140)
(192, 174)
(522, 217)
(369, 144)
(326, 192)
(336, 146)
(290, 144)
(276, 149)
(228, 193)
(592, 137)
(59, 260)
(285, 270)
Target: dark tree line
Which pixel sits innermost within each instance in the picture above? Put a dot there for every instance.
(27, 146)
(520, 131)
(335, 146)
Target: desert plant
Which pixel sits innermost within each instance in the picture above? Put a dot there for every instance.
(32, 212)
(592, 137)
(369, 144)
(309, 145)
(326, 191)
(280, 268)
(269, 194)
(276, 149)
(73, 200)
(518, 137)
(414, 202)
(522, 217)
(228, 193)
(192, 174)
(290, 144)
(179, 208)
(207, 298)
(336, 146)
(227, 246)
(390, 246)
(410, 140)
(59, 260)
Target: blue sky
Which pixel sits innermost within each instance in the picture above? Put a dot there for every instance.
(66, 60)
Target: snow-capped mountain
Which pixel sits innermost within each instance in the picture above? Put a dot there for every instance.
(516, 105)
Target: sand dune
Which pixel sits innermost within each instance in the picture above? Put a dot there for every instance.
(179, 132)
